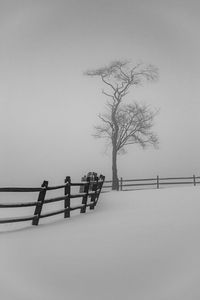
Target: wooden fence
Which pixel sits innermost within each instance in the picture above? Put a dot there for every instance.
(89, 197)
(156, 182)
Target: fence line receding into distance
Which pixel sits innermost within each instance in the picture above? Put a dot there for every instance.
(90, 192)
(156, 182)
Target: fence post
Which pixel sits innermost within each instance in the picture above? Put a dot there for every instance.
(194, 179)
(157, 182)
(102, 178)
(94, 189)
(121, 183)
(85, 197)
(67, 192)
(40, 203)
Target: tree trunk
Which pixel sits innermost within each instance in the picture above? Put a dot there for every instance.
(115, 180)
(115, 131)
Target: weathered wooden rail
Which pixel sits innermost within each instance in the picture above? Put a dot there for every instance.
(89, 196)
(156, 182)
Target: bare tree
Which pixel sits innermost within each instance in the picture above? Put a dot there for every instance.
(124, 124)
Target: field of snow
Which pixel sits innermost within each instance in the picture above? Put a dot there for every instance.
(136, 245)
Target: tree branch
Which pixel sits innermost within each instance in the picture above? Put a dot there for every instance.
(106, 82)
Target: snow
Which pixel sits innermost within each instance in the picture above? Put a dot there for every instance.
(141, 245)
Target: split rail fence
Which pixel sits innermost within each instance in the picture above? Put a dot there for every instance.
(156, 182)
(89, 198)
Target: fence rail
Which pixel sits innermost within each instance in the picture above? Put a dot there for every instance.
(156, 182)
(91, 192)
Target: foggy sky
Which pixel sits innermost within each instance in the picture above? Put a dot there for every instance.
(49, 108)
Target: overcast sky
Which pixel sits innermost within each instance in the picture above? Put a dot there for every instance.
(48, 107)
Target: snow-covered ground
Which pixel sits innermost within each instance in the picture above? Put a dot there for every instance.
(139, 245)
